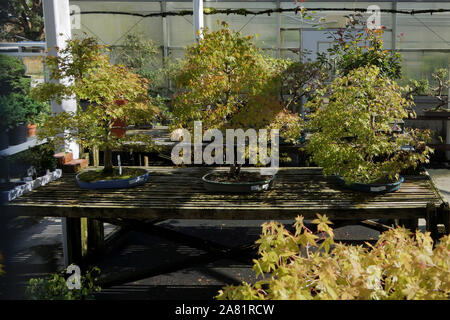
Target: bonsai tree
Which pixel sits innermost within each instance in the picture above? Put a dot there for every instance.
(355, 47)
(142, 56)
(303, 265)
(228, 83)
(440, 90)
(353, 134)
(113, 92)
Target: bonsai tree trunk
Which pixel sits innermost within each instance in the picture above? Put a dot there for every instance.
(235, 170)
(107, 160)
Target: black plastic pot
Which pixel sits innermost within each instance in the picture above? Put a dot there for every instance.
(18, 134)
(237, 187)
(372, 187)
(4, 139)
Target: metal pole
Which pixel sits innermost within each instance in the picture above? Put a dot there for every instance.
(57, 24)
(198, 19)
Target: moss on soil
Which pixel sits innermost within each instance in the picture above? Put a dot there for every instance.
(99, 175)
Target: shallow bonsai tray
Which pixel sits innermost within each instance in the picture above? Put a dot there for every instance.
(372, 187)
(28, 185)
(237, 187)
(114, 184)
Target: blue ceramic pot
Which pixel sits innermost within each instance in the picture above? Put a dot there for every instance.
(114, 184)
(372, 187)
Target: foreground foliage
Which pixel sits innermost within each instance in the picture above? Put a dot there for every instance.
(55, 287)
(307, 265)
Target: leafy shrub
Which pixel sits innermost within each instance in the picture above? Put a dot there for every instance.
(55, 287)
(360, 47)
(354, 137)
(307, 266)
(12, 76)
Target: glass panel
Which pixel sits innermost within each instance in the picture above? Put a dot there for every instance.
(112, 29)
(421, 64)
(423, 31)
(263, 25)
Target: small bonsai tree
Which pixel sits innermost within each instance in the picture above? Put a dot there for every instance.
(228, 83)
(113, 91)
(353, 134)
(439, 90)
(310, 266)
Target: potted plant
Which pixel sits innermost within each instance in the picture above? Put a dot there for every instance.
(362, 105)
(15, 100)
(101, 83)
(14, 117)
(436, 94)
(228, 83)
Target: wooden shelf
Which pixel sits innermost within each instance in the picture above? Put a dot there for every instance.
(11, 150)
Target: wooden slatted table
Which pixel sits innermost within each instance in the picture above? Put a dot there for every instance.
(178, 193)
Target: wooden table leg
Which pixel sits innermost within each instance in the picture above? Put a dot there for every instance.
(95, 236)
(432, 221)
(446, 215)
(73, 253)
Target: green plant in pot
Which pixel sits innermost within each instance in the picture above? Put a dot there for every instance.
(437, 89)
(353, 137)
(113, 92)
(228, 83)
(14, 116)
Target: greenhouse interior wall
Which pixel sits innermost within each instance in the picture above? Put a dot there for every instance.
(422, 39)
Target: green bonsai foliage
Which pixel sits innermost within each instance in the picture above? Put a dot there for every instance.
(358, 47)
(16, 105)
(12, 76)
(114, 92)
(353, 131)
(227, 83)
(143, 57)
(310, 266)
(301, 79)
(55, 287)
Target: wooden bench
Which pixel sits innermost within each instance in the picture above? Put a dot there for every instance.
(178, 193)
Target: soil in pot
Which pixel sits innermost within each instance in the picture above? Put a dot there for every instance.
(18, 134)
(245, 182)
(382, 186)
(97, 179)
(31, 130)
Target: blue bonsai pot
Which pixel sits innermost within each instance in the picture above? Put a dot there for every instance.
(114, 184)
(372, 187)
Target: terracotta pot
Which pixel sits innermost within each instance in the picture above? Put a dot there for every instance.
(119, 128)
(31, 130)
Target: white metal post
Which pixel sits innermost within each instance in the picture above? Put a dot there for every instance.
(198, 18)
(57, 30)
(57, 24)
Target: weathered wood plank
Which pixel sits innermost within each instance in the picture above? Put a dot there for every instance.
(178, 193)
